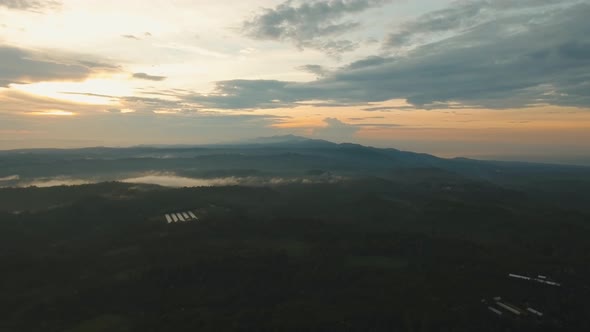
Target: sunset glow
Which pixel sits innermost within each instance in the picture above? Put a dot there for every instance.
(370, 73)
(52, 113)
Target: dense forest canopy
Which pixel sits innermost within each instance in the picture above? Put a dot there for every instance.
(395, 242)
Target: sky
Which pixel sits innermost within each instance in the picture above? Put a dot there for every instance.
(490, 79)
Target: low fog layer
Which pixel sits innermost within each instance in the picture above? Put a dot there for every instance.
(9, 178)
(54, 182)
(167, 180)
(170, 180)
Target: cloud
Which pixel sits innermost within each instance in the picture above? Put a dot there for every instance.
(333, 48)
(88, 94)
(172, 180)
(27, 66)
(95, 64)
(317, 70)
(131, 37)
(10, 178)
(175, 102)
(20, 66)
(244, 94)
(144, 76)
(30, 5)
(461, 16)
(150, 104)
(308, 24)
(134, 37)
(19, 102)
(144, 126)
(175, 181)
(366, 118)
(55, 182)
(336, 130)
(527, 58)
(389, 108)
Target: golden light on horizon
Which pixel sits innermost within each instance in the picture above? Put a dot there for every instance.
(52, 113)
(165, 112)
(300, 123)
(94, 91)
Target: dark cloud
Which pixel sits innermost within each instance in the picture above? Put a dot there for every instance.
(317, 70)
(531, 57)
(23, 66)
(333, 48)
(31, 5)
(461, 16)
(148, 104)
(29, 66)
(144, 76)
(310, 24)
(371, 61)
(243, 94)
(575, 50)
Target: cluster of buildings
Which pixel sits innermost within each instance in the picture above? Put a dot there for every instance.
(500, 307)
(503, 308)
(181, 217)
(540, 279)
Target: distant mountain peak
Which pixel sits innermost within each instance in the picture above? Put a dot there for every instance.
(285, 140)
